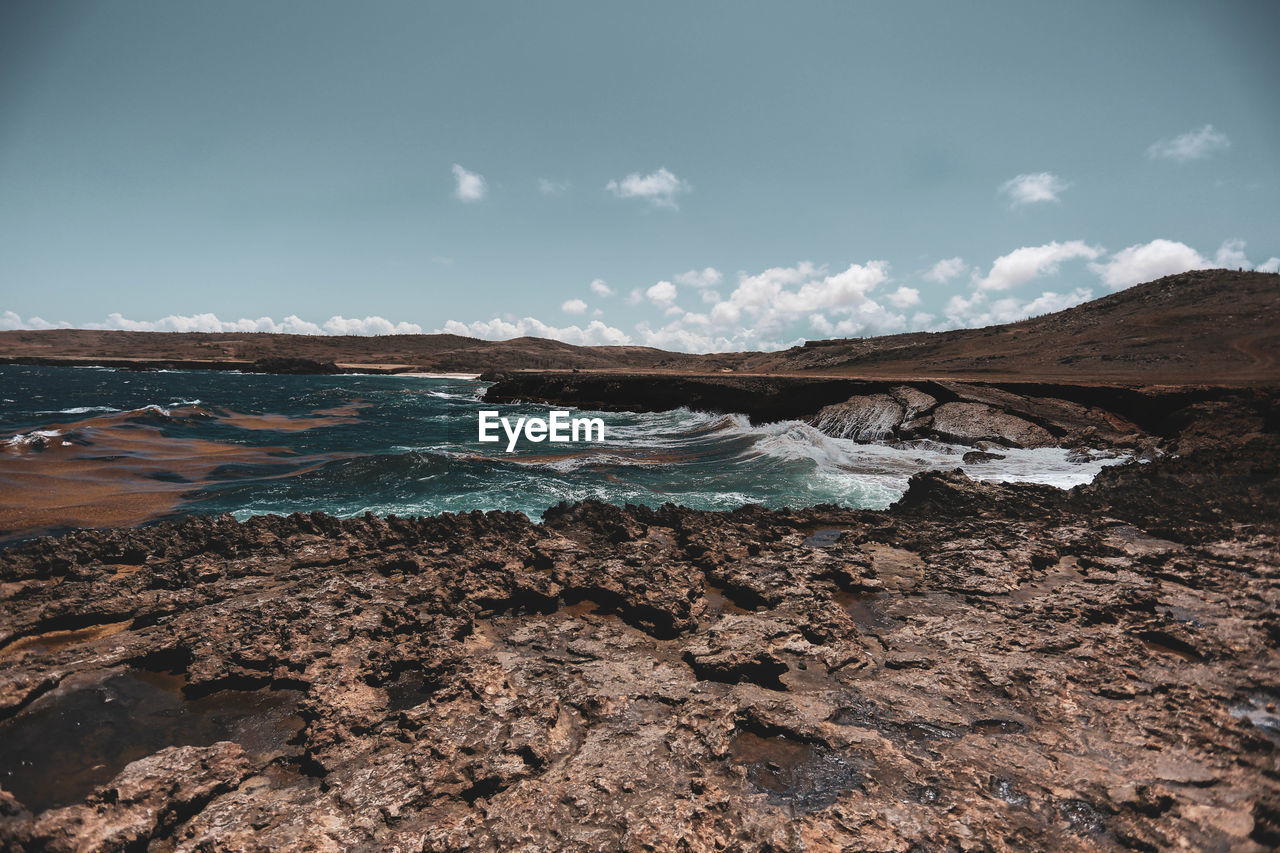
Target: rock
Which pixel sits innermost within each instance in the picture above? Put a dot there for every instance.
(738, 649)
(991, 666)
(968, 423)
(281, 364)
(975, 456)
(145, 800)
(872, 417)
(913, 401)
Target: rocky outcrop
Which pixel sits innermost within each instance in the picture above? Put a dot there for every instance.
(983, 666)
(1012, 414)
(284, 364)
(872, 417)
(906, 413)
(144, 801)
(970, 423)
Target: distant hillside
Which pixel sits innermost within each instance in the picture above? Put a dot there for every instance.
(1209, 326)
(441, 353)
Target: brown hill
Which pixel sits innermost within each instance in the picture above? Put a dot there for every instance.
(1216, 327)
(443, 353)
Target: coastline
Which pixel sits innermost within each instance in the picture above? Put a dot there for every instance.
(1077, 668)
(981, 665)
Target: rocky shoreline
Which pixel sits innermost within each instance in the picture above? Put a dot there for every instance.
(1010, 414)
(979, 667)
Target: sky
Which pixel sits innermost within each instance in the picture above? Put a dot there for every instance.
(693, 176)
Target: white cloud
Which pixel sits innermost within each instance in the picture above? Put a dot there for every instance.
(659, 188)
(596, 333)
(708, 277)
(1192, 145)
(293, 325)
(904, 297)
(635, 297)
(369, 326)
(1272, 265)
(725, 314)
(599, 288)
(781, 295)
(1049, 302)
(1147, 261)
(1032, 188)
(471, 186)
(662, 294)
(11, 321)
(549, 187)
(574, 306)
(1029, 262)
(976, 311)
(764, 306)
(1231, 255)
(945, 270)
(820, 324)
(441, 259)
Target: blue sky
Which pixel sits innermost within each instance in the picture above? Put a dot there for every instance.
(692, 176)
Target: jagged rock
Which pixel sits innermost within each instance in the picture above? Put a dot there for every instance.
(866, 418)
(974, 456)
(285, 364)
(967, 423)
(914, 401)
(144, 801)
(738, 648)
(991, 666)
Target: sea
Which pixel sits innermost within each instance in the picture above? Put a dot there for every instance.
(82, 446)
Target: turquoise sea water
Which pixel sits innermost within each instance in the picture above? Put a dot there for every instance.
(408, 445)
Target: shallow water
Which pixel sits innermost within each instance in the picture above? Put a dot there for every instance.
(92, 446)
(806, 776)
(70, 741)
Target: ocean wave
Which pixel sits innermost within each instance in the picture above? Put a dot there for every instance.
(79, 410)
(37, 439)
(167, 411)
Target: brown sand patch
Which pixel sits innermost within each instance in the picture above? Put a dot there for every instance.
(114, 470)
(54, 640)
(335, 416)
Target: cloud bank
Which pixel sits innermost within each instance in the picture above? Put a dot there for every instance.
(291, 325)
(782, 306)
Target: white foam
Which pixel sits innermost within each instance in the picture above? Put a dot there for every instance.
(78, 410)
(888, 466)
(872, 420)
(24, 440)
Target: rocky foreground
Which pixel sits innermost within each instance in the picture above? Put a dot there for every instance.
(979, 667)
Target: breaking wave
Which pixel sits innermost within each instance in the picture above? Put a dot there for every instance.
(409, 446)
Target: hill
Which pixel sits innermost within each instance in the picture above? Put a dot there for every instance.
(383, 353)
(1209, 327)
(1216, 327)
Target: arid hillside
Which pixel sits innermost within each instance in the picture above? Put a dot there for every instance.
(1214, 327)
(420, 352)
(1217, 327)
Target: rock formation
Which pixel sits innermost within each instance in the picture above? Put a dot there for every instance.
(980, 667)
